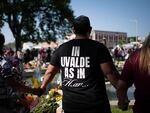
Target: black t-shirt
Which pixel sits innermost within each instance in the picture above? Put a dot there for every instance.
(83, 81)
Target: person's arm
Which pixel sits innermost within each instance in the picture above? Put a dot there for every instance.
(49, 75)
(110, 73)
(122, 95)
(113, 76)
(126, 81)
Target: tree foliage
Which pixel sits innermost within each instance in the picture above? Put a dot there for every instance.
(36, 20)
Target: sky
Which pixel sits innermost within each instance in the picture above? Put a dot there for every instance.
(130, 16)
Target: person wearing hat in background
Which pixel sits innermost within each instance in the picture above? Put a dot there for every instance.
(9, 86)
(83, 63)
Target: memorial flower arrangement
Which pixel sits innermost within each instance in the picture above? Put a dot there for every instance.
(48, 103)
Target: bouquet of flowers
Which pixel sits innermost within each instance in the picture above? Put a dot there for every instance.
(48, 103)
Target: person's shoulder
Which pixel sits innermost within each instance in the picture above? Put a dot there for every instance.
(96, 43)
(63, 45)
(87, 41)
(135, 54)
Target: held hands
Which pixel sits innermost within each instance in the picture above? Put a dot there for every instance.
(124, 105)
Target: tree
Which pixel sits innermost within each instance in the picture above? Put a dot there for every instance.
(36, 20)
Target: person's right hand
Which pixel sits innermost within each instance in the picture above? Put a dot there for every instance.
(38, 91)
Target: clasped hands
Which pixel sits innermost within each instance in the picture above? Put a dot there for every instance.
(123, 105)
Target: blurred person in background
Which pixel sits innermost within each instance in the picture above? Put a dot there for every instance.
(10, 87)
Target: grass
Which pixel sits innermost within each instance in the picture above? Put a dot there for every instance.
(117, 110)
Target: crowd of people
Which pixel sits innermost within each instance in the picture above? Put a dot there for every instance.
(43, 54)
(121, 53)
(84, 64)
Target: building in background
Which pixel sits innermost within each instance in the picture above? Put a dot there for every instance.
(109, 38)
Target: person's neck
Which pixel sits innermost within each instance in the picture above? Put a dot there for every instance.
(78, 36)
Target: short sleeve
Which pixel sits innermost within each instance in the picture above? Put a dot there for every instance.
(6, 70)
(104, 54)
(55, 60)
(127, 73)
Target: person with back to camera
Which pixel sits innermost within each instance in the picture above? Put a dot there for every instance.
(136, 71)
(83, 63)
(9, 85)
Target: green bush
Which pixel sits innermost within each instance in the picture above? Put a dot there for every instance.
(117, 110)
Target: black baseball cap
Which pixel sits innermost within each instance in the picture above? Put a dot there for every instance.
(81, 24)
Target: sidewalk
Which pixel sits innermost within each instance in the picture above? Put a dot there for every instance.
(115, 102)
